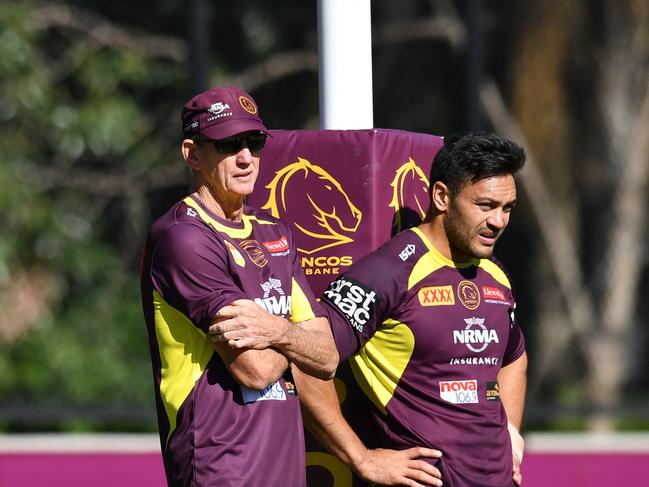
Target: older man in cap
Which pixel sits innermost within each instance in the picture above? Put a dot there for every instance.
(227, 409)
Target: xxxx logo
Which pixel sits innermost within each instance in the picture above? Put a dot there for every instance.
(436, 296)
(409, 196)
(319, 208)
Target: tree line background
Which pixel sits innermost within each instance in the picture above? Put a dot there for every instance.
(90, 100)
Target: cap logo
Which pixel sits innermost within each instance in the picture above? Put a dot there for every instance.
(248, 105)
(218, 107)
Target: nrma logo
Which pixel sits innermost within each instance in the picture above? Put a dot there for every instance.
(319, 207)
(476, 336)
(409, 188)
(278, 303)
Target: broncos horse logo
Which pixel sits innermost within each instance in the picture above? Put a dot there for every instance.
(318, 207)
(409, 181)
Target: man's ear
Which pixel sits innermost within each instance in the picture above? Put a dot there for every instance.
(440, 196)
(190, 153)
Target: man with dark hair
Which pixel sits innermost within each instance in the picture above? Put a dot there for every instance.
(427, 322)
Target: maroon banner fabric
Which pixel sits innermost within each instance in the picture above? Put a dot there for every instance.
(344, 192)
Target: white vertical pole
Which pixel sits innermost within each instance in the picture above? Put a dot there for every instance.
(345, 58)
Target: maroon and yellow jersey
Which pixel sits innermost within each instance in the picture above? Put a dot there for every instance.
(214, 431)
(426, 338)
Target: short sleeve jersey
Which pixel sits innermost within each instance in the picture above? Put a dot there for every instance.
(426, 338)
(214, 431)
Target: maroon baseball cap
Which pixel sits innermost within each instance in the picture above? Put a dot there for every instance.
(221, 112)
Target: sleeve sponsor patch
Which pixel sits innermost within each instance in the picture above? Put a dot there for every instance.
(354, 300)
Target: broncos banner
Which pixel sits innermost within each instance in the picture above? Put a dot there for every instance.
(343, 193)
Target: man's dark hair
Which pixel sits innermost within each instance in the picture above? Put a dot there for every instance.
(469, 157)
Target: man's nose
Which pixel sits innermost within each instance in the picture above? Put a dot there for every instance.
(244, 156)
(498, 218)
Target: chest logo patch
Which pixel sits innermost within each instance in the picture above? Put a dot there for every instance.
(254, 251)
(277, 247)
(275, 300)
(493, 391)
(476, 336)
(273, 392)
(272, 285)
(469, 294)
(459, 391)
(494, 295)
(436, 296)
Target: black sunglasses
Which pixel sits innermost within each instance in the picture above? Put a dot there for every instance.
(255, 142)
